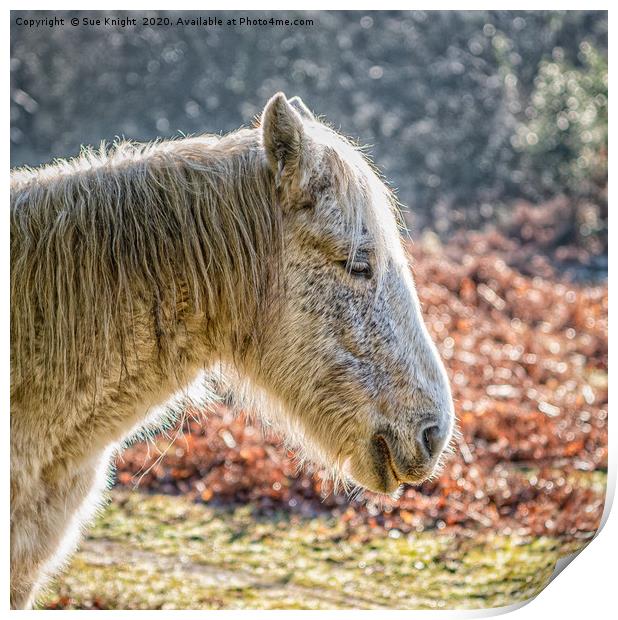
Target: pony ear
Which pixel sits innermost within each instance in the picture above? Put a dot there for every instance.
(282, 134)
(299, 105)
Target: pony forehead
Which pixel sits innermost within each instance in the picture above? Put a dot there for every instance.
(353, 165)
(334, 142)
(363, 193)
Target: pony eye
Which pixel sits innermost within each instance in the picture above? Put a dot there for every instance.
(358, 269)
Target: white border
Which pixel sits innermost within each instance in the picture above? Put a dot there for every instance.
(584, 589)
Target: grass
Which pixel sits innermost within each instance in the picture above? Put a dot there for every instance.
(156, 551)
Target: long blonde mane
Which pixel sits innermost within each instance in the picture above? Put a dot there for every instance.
(188, 223)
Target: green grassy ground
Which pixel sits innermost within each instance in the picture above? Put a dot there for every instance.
(148, 552)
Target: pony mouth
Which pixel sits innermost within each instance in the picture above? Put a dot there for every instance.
(377, 470)
(388, 470)
(386, 464)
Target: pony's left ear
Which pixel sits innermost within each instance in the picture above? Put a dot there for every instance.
(299, 105)
(282, 134)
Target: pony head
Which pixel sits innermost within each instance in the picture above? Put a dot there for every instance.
(346, 352)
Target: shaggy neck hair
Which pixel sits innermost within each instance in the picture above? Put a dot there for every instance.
(177, 227)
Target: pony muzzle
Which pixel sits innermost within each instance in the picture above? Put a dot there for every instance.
(409, 460)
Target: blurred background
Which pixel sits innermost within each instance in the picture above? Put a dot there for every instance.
(492, 127)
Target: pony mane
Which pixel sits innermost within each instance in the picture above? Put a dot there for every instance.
(190, 224)
(159, 225)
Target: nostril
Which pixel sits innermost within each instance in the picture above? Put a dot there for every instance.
(431, 438)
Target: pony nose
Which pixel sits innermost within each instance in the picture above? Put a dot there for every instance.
(431, 440)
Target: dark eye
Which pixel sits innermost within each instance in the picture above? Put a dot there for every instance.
(358, 269)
